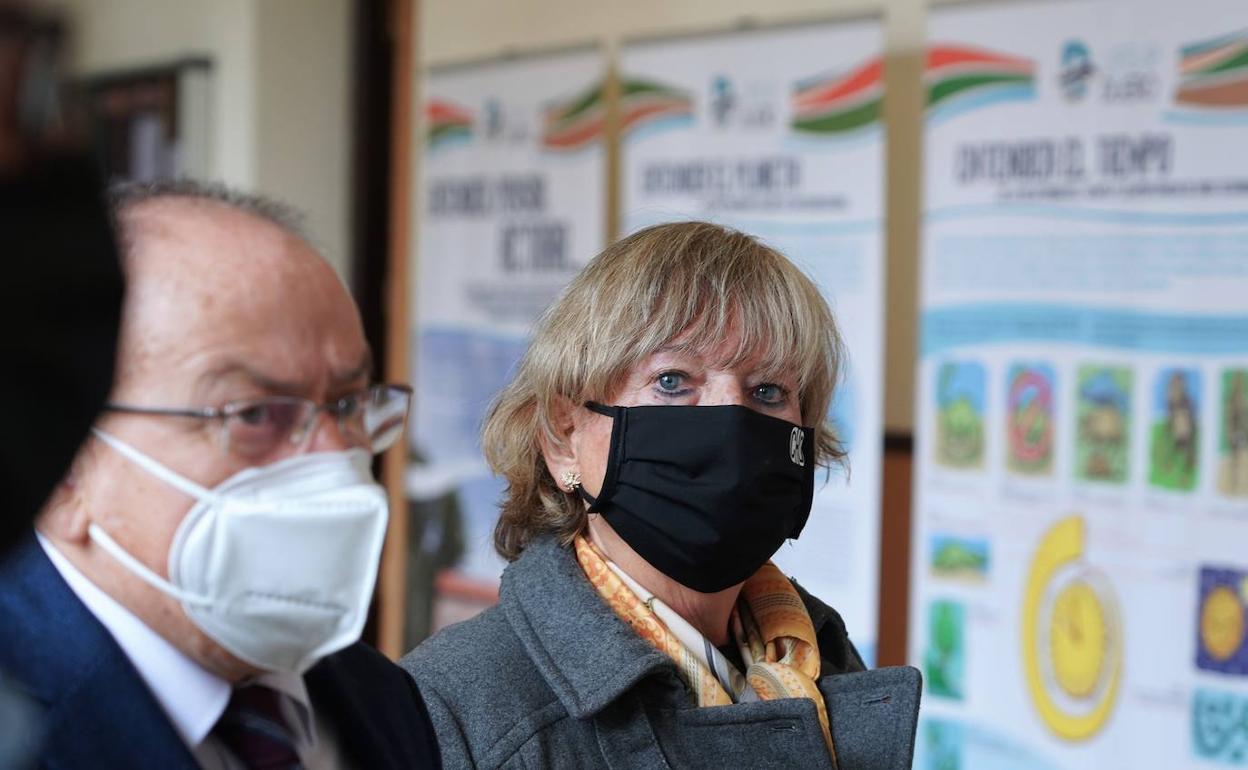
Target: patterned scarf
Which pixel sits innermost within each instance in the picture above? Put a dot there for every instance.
(770, 626)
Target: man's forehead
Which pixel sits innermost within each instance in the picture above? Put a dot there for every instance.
(206, 253)
(211, 286)
(190, 224)
(264, 375)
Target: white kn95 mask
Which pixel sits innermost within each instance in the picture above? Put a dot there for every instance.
(277, 563)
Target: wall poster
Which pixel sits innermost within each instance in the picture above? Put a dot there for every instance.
(512, 205)
(1079, 563)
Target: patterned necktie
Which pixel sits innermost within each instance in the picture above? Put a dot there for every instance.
(254, 729)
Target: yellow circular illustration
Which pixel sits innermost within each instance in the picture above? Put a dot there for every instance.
(1072, 635)
(1221, 623)
(1077, 639)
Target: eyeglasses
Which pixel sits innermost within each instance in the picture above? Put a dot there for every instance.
(371, 418)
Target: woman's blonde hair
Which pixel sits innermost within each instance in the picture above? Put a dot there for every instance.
(691, 278)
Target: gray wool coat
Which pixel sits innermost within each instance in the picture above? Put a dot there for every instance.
(550, 677)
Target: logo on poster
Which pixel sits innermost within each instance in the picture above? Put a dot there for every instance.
(1129, 75)
(723, 100)
(1077, 70)
(749, 108)
(505, 123)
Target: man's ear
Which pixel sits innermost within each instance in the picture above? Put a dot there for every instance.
(64, 515)
(556, 443)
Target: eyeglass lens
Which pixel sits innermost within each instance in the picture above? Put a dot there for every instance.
(371, 419)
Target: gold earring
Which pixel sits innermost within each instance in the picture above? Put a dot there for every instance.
(571, 480)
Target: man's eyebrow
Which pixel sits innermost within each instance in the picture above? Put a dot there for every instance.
(364, 369)
(264, 381)
(277, 385)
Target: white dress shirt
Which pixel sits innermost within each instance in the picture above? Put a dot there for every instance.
(192, 697)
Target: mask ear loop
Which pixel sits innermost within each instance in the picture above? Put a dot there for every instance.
(154, 468)
(615, 453)
(111, 546)
(141, 570)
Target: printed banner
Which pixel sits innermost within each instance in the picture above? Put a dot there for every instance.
(778, 133)
(512, 206)
(1079, 571)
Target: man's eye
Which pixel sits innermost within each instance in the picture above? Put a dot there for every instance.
(670, 381)
(256, 414)
(348, 406)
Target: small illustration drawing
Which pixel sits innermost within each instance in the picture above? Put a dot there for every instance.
(960, 415)
(1175, 429)
(1233, 443)
(1103, 428)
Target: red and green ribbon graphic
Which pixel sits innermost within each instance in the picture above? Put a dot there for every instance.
(446, 121)
(1214, 73)
(957, 70)
(577, 122)
(839, 103)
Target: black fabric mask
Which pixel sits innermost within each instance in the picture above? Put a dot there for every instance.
(705, 494)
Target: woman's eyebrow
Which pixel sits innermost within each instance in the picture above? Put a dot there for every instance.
(681, 350)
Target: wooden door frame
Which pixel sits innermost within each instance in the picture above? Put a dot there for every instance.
(384, 79)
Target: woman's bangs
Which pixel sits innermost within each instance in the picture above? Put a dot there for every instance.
(775, 328)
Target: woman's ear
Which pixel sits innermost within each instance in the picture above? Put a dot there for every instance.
(558, 449)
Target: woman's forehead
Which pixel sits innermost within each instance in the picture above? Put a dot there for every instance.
(723, 353)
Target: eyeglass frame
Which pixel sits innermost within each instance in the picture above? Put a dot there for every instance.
(223, 412)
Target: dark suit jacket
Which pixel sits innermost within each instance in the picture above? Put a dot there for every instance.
(99, 714)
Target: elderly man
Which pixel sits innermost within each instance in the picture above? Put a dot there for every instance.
(200, 578)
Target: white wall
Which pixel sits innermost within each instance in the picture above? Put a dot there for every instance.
(280, 90)
(303, 130)
(455, 30)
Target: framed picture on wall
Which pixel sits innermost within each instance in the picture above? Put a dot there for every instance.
(151, 123)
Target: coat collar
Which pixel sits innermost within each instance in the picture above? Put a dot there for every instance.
(588, 656)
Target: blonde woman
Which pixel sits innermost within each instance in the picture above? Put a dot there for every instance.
(659, 444)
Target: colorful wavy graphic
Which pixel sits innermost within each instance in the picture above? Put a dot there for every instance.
(574, 123)
(645, 102)
(839, 103)
(955, 71)
(1214, 73)
(447, 122)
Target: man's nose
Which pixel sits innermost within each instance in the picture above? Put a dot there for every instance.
(326, 435)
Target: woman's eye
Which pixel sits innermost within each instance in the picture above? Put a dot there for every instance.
(770, 393)
(670, 382)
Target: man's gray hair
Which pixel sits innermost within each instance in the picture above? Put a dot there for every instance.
(123, 196)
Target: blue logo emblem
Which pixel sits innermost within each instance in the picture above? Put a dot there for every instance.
(1077, 70)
